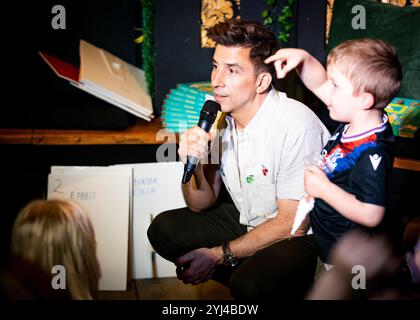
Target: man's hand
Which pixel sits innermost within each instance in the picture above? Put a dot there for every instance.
(286, 60)
(197, 266)
(194, 142)
(316, 182)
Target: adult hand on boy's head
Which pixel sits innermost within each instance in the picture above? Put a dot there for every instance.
(315, 181)
(286, 60)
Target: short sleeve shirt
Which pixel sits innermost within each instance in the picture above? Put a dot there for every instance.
(360, 165)
(263, 162)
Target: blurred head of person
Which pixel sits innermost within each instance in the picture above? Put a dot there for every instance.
(411, 241)
(59, 232)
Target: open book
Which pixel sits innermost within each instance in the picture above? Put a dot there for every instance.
(107, 77)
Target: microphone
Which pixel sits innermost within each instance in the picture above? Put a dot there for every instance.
(207, 116)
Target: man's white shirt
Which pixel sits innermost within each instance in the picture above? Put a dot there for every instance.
(263, 162)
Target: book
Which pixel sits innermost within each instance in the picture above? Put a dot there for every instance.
(157, 188)
(199, 87)
(181, 112)
(170, 103)
(107, 77)
(186, 94)
(178, 119)
(182, 100)
(105, 193)
(404, 116)
(182, 123)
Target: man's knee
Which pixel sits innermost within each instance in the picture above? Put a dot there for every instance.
(159, 224)
(159, 232)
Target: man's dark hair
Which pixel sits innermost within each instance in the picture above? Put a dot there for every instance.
(247, 34)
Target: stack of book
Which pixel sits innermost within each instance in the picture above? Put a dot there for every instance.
(181, 107)
(404, 116)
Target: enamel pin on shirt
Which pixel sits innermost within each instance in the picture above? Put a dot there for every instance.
(264, 170)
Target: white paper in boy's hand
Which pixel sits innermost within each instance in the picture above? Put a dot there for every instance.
(305, 205)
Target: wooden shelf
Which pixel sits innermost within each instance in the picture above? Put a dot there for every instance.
(141, 133)
(404, 163)
(16, 136)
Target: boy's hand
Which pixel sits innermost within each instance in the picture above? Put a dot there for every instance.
(316, 182)
(286, 60)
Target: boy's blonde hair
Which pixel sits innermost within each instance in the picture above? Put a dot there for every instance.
(59, 232)
(372, 66)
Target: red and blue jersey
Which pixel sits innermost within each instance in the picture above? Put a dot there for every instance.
(360, 164)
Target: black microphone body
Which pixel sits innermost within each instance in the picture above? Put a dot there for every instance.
(207, 116)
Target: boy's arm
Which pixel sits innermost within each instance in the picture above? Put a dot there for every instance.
(363, 198)
(319, 186)
(366, 214)
(310, 70)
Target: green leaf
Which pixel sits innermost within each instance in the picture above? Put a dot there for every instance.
(283, 36)
(284, 20)
(264, 14)
(288, 27)
(281, 19)
(268, 21)
(287, 12)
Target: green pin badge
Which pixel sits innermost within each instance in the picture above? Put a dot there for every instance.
(250, 179)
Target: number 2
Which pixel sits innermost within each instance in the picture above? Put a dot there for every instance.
(59, 183)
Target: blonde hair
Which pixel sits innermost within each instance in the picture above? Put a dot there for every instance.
(372, 66)
(59, 232)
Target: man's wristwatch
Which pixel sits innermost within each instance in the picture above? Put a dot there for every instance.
(228, 257)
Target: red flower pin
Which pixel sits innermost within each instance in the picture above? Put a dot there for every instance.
(264, 170)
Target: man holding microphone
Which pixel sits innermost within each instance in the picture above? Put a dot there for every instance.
(262, 149)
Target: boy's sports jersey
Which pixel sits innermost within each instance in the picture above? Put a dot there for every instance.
(359, 164)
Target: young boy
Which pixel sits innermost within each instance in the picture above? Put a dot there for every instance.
(361, 79)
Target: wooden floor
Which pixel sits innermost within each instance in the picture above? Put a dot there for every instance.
(174, 289)
(168, 289)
